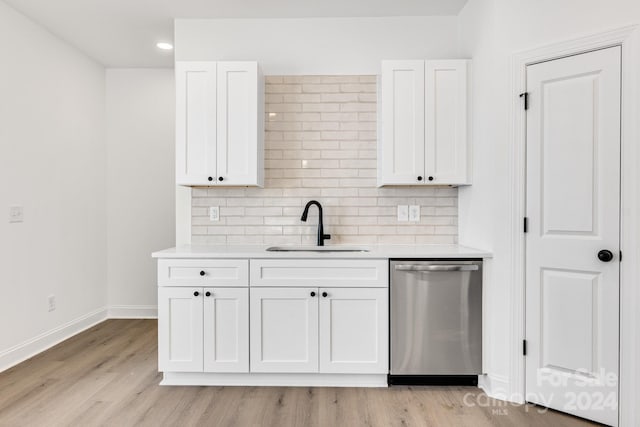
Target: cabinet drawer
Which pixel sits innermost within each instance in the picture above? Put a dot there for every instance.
(325, 273)
(203, 272)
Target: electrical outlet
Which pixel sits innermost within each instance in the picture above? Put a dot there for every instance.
(403, 213)
(414, 213)
(214, 213)
(16, 214)
(52, 302)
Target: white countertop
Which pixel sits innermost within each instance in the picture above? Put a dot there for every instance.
(375, 252)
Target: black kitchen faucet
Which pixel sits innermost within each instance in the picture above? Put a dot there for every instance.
(321, 236)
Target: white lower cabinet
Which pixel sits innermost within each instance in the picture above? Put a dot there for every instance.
(354, 330)
(326, 330)
(203, 329)
(273, 322)
(226, 330)
(284, 330)
(180, 329)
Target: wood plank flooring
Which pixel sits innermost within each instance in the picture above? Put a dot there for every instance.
(108, 376)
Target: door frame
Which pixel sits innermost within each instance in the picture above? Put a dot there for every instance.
(628, 37)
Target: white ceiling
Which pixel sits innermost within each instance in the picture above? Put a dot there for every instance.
(123, 33)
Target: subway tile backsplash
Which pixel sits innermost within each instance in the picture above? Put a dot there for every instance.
(320, 143)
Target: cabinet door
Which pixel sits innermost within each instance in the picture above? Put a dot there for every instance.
(180, 329)
(238, 129)
(446, 121)
(284, 330)
(195, 123)
(226, 329)
(354, 332)
(401, 156)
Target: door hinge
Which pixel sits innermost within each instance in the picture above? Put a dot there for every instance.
(524, 347)
(620, 256)
(525, 225)
(525, 95)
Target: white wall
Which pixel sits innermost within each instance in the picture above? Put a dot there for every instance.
(490, 32)
(140, 184)
(52, 162)
(316, 46)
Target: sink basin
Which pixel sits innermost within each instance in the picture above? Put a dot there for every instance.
(315, 249)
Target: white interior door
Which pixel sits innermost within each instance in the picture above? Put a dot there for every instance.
(573, 208)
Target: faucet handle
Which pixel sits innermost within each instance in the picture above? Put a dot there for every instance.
(326, 236)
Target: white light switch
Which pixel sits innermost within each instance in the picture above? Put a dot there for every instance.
(403, 213)
(16, 214)
(214, 213)
(414, 213)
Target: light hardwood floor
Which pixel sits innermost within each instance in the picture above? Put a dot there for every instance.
(108, 376)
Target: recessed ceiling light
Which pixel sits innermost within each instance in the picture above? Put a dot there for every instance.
(164, 46)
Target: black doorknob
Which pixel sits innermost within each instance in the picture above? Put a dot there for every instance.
(313, 294)
(202, 273)
(220, 178)
(207, 294)
(419, 178)
(210, 178)
(605, 255)
(324, 294)
(196, 293)
(430, 178)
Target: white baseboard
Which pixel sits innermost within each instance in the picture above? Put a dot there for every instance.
(273, 379)
(497, 387)
(27, 349)
(133, 312)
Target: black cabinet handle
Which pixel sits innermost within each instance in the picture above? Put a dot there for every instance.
(220, 179)
(202, 273)
(313, 294)
(605, 255)
(207, 294)
(210, 178)
(196, 293)
(324, 294)
(420, 178)
(430, 178)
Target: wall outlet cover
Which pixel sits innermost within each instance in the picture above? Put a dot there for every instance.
(414, 213)
(214, 213)
(52, 302)
(16, 214)
(403, 213)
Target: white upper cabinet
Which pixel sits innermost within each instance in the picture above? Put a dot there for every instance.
(195, 122)
(219, 124)
(401, 156)
(423, 135)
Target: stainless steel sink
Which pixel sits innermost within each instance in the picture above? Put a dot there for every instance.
(315, 249)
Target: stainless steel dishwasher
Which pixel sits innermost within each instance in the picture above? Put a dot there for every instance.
(436, 321)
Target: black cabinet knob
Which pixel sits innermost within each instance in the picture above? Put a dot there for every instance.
(324, 294)
(210, 178)
(196, 293)
(419, 178)
(207, 294)
(220, 178)
(202, 273)
(430, 178)
(605, 255)
(313, 294)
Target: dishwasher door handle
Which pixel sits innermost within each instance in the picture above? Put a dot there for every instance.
(437, 267)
